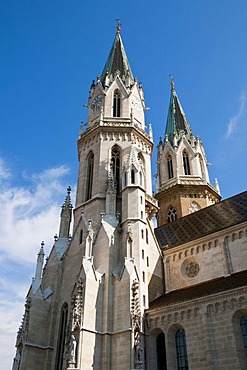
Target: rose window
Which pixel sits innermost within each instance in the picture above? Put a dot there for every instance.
(192, 269)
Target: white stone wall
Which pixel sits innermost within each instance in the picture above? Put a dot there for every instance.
(206, 259)
(212, 329)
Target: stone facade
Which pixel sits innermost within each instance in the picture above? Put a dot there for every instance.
(114, 295)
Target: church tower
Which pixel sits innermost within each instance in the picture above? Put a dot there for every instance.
(97, 283)
(183, 184)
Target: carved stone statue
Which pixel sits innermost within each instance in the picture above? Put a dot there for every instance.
(138, 353)
(72, 350)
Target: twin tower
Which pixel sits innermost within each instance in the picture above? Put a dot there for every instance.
(86, 307)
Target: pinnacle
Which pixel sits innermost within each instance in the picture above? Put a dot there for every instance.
(117, 62)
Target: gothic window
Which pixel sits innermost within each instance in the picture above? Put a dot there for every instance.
(81, 235)
(115, 162)
(144, 300)
(90, 165)
(116, 104)
(142, 166)
(169, 167)
(186, 163)
(140, 178)
(125, 178)
(62, 337)
(243, 326)
(147, 236)
(172, 214)
(143, 276)
(132, 176)
(161, 352)
(181, 350)
(202, 167)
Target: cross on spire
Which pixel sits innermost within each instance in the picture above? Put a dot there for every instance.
(172, 81)
(118, 25)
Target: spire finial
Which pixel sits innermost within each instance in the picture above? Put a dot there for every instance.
(118, 25)
(172, 81)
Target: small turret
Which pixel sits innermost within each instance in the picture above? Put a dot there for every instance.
(65, 216)
(39, 266)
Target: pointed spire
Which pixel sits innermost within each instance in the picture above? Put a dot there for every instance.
(176, 120)
(65, 216)
(39, 266)
(117, 61)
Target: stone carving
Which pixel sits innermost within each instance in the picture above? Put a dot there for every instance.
(136, 324)
(76, 305)
(72, 351)
(23, 329)
(111, 186)
(192, 269)
(17, 360)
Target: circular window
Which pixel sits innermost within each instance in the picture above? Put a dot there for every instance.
(192, 269)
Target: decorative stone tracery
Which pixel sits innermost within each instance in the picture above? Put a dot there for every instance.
(74, 325)
(136, 324)
(23, 329)
(76, 307)
(192, 269)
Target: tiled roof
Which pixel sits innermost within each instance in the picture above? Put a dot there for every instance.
(117, 60)
(222, 215)
(205, 289)
(176, 120)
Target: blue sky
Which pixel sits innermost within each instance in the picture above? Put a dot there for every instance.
(50, 52)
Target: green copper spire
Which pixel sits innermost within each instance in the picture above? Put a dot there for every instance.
(117, 60)
(176, 120)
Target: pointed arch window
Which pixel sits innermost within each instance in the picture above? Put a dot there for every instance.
(142, 166)
(132, 175)
(116, 104)
(171, 214)
(202, 167)
(161, 352)
(243, 326)
(181, 350)
(125, 179)
(140, 178)
(90, 166)
(81, 236)
(62, 337)
(115, 162)
(169, 167)
(186, 163)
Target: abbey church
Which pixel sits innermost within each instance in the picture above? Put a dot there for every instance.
(122, 293)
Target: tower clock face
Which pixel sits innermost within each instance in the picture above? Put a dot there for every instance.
(96, 102)
(136, 103)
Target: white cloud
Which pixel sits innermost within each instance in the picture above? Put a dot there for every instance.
(233, 121)
(29, 214)
(4, 171)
